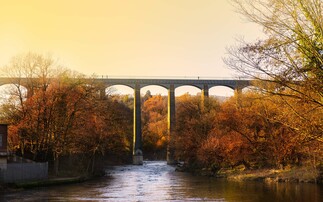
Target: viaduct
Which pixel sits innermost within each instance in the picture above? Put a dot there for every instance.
(170, 84)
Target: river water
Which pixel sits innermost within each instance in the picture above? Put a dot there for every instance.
(157, 181)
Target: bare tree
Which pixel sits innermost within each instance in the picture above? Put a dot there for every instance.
(292, 55)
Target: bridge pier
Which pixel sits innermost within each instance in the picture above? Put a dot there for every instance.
(204, 96)
(137, 155)
(237, 93)
(171, 125)
(102, 93)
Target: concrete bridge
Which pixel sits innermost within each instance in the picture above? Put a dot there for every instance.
(170, 84)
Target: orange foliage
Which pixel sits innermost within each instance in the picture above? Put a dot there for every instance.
(255, 131)
(154, 116)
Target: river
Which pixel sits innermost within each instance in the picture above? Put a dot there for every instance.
(157, 181)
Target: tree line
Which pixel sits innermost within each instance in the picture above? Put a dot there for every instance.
(66, 117)
(251, 129)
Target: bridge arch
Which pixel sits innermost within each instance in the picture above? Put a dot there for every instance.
(154, 89)
(8, 90)
(221, 91)
(190, 89)
(119, 89)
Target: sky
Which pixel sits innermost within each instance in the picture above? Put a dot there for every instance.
(136, 38)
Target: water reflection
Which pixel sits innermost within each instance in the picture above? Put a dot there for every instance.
(156, 181)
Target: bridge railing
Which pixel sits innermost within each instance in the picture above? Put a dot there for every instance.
(159, 77)
(167, 77)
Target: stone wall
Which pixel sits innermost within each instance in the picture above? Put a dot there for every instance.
(19, 172)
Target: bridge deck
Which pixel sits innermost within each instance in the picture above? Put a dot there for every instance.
(142, 82)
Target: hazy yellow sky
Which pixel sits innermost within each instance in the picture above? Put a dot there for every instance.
(125, 37)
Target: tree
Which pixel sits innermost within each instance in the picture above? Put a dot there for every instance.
(43, 124)
(256, 134)
(289, 62)
(265, 141)
(154, 129)
(32, 71)
(103, 128)
(147, 96)
(292, 52)
(193, 126)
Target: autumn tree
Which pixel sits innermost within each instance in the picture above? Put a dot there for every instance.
(154, 117)
(60, 113)
(33, 72)
(288, 63)
(256, 134)
(193, 126)
(104, 128)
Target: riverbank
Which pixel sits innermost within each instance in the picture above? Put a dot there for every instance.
(302, 174)
(41, 183)
(68, 175)
(157, 181)
(295, 174)
(52, 181)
